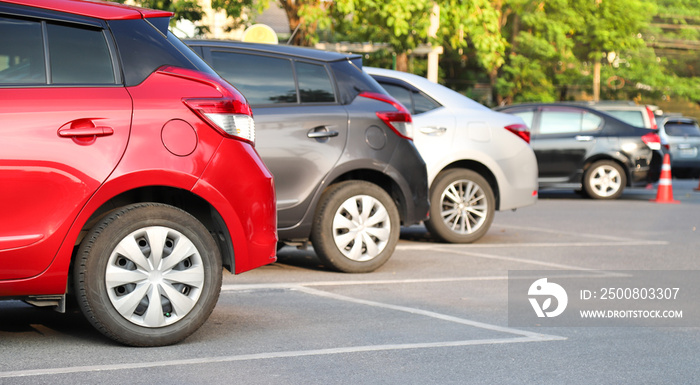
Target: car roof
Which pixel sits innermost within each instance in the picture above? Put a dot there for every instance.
(679, 120)
(560, 104)
(93, 8)
(442, 94)
(288, 50)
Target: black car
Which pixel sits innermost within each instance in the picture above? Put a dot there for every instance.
(588, 150)
(347, 173)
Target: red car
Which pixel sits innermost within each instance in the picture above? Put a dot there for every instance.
(128, 168)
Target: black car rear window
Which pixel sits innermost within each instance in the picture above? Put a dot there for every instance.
(351, 81)
(143, 49)
(682, 129)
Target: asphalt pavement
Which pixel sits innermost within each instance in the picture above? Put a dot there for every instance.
(435, 313)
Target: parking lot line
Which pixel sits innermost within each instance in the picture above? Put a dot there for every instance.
(426, 313)
(579, 234)
(521, 337)
(267, 356)
(606, 240)
(509, 259)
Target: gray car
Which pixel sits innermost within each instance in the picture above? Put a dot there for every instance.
(347, 173)
(682, 136)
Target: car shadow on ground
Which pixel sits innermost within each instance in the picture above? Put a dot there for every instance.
(21, 320)
(637, 193)
(304, 258)
(683, 190)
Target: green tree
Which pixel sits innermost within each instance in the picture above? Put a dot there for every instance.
(540, 55)
(304, 16)
(182, 9)
(568, 40)
(608, 26)
(404, 25)
(478, 25)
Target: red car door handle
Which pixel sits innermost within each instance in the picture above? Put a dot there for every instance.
(85, 131)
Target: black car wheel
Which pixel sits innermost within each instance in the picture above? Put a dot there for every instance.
(462, 206)
(148, 275)
(356, 227)
(605, 179)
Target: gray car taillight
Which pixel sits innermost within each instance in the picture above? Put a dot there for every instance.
(399, 121)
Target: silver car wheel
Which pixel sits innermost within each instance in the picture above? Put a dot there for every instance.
(464, 206)
(361, 228)
(605, 181)
(154, 276)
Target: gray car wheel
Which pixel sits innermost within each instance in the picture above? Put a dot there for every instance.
(462, 206)
(356, 227)
(605, 179)
(148, 275)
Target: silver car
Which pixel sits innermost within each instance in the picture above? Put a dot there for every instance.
(479, 161)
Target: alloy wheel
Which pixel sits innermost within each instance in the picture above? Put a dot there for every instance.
(605, 181)
(464, 206)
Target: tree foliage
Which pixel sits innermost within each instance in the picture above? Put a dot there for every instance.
(304, 16)
(182, 9)
(528, 50)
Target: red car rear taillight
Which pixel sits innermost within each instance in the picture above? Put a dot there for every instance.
(652, 141)
(521, 130)
(399, 121)
(226, 115)
(230, 114)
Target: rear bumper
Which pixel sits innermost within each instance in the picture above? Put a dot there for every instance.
(241, 189)
(519, 184)
(408, 170)
(649, 174)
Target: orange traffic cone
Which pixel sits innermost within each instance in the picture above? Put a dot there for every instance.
(664, 194)
(697, 188)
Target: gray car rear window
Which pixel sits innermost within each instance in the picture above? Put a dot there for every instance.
(351, 81)
(261, 79)
(682, 129)
(314, 83)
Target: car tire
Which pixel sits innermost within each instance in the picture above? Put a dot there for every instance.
(605, 179)
(462, 206)
(356, 227)
(142, 251)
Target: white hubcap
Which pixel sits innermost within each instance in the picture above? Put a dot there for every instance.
(154, 276)
(361, 228)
